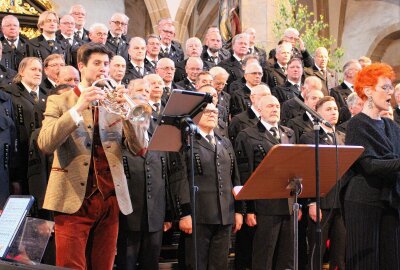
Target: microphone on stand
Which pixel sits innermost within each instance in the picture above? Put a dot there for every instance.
(314, 114)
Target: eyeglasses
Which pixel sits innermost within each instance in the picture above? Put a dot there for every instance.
(119, 23)
(101, 34)
(210, 112)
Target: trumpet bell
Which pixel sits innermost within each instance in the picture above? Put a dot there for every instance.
(129, 110)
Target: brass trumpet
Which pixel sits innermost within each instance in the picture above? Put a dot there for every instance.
(129, 110)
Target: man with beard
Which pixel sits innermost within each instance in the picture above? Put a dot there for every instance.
(213, 53)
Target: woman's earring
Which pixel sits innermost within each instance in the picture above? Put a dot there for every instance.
(370, 103)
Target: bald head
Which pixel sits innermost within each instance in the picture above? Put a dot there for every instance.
(117, 68)
(68, 75)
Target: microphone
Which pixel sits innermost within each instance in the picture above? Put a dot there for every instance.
(314, 114)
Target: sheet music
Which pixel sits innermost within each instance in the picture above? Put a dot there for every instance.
(13, 214)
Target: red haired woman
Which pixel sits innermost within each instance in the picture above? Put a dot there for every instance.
(372, 197)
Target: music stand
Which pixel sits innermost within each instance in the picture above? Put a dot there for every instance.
(177, 123)
(289, 171)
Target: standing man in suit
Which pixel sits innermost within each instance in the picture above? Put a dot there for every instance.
(299, 50)
(140, 234)
(193, 49)
(153, 47)
(29, 103)
(169, 47)
(87, 185)
(46, 44)
(278, 72)
(292, 86)
(273, 238)
(166, 69)
(117, 69)
(14, 44)
(328, 77)
(52, 65)
(156, 86)
(240, 99)
(193, 67)
(396, 108)
(6, 74)
(7, 146)
(136, 68)
(115, 41)
(233, 65)
(217, 213)
(98, 33)
(240, 83)
(213, 53)
(68, 40)
(220, 77)
(305, 122)
(291, 109)
(333, 228)
(262, 55)
(79, 14)
(342, 91)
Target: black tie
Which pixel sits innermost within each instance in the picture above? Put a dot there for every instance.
(157, 107)
(34, 96)
(139, 69)
(78, 33)
(284, 70)
(274, 132)
(116, 40)
(50, 42)
(166, 52)
(250, 50)
(214, 59)
(210, 139)
(12, 43)
(167, 90)
(331, 137)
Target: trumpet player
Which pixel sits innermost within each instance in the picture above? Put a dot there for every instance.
(87, 186)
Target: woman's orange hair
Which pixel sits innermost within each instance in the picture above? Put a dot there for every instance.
(369, 75)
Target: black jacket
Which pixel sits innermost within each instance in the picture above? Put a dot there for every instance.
(252, 145)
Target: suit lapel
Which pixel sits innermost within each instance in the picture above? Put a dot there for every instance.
(204, 143)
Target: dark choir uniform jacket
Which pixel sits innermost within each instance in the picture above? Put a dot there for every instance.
(291, 109)
(327, 201)
(131, 72)
(147, 178)
(216, 173)
(186, 85)
(118, 48)
(301, 124)
(71, 49)
(275, 76)
(6, 76)
(285, 92)
(12, 57)
(209, 61)
(39, 47)
(7, 145)
(240, 100)
(340, 93)
(28, 117)
(242, 121)
(252, 145)
(175, 52)
(233, 67)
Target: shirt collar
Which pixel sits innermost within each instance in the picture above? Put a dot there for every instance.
(212, 54)
(36, 90)
(349, 85)
(202, 133)
(268, 126)
(237, 57)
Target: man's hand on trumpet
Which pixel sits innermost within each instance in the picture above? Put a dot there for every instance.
(88, 95)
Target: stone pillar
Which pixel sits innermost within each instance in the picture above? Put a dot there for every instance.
(259, 14)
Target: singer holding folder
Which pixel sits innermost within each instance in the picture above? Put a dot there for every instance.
(372, 197)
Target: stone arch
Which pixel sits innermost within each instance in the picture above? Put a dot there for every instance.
(182, 17)
(201, 31)
(382, 41)
(157, 9)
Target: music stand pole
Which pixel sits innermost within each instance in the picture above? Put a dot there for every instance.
(296, 188)
(189, 130)
(318, 198)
